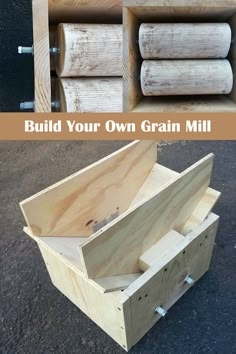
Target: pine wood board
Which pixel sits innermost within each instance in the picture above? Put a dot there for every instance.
(42, 76)
(74, 206)
(163, 284)
(116, 249)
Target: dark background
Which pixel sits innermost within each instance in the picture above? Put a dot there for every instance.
(36, 318)
(16, 71)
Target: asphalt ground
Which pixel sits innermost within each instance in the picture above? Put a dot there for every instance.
(37, 318)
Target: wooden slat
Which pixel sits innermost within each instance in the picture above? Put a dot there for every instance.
(76, 205)
(116, 249)
(215, 103)
(85, 11)
(41, 56)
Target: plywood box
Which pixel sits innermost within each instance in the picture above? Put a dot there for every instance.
(136, 12)
(47, 15)
(125, 238)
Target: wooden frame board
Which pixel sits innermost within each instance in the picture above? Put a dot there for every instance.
(134, 13)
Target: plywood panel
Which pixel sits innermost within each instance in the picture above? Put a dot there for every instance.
(104, 190)
(164, 283)
(116, 249)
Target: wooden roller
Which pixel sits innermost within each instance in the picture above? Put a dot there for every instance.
(90, 95)
(186, 77)
(85, 11)
(89, 50)
(184, 40)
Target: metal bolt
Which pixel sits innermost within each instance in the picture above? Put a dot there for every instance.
(55, 104)
(162, 312)
(25, 50)
(189, 280)
(54, 50)
(26, 105)
(30, 105)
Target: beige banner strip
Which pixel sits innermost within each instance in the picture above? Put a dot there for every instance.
(118, 126)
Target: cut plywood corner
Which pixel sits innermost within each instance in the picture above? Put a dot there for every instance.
(202, 210)
(159, 250)
(75, 206)
(116, 249)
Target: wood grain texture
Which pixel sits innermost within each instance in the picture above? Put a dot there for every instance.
(132, 61)
(180, 10)
(101, 308)
(74, 206)
(136, 12)
(116, 249)
(184, 40)
(201, 211)
(85, 11)
(90, 95)
(159, 250)
(213, 103)
(186, 77)
(41, 56)
(163, 284)
(89, 50)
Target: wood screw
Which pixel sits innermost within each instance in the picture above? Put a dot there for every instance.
(162, 312)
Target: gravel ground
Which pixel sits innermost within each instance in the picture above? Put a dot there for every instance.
(37, 318)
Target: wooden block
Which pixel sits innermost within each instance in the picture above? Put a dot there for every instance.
(90, 95)
(184, 40)
(89, 50)
(116, 249)
(186, 77)
(85, 11)
(160, 249)
(96, 195)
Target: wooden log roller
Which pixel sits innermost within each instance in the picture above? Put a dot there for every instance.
(91, 95)
(89, 50)
(84, 11)
(186, 77)
(184, 40)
